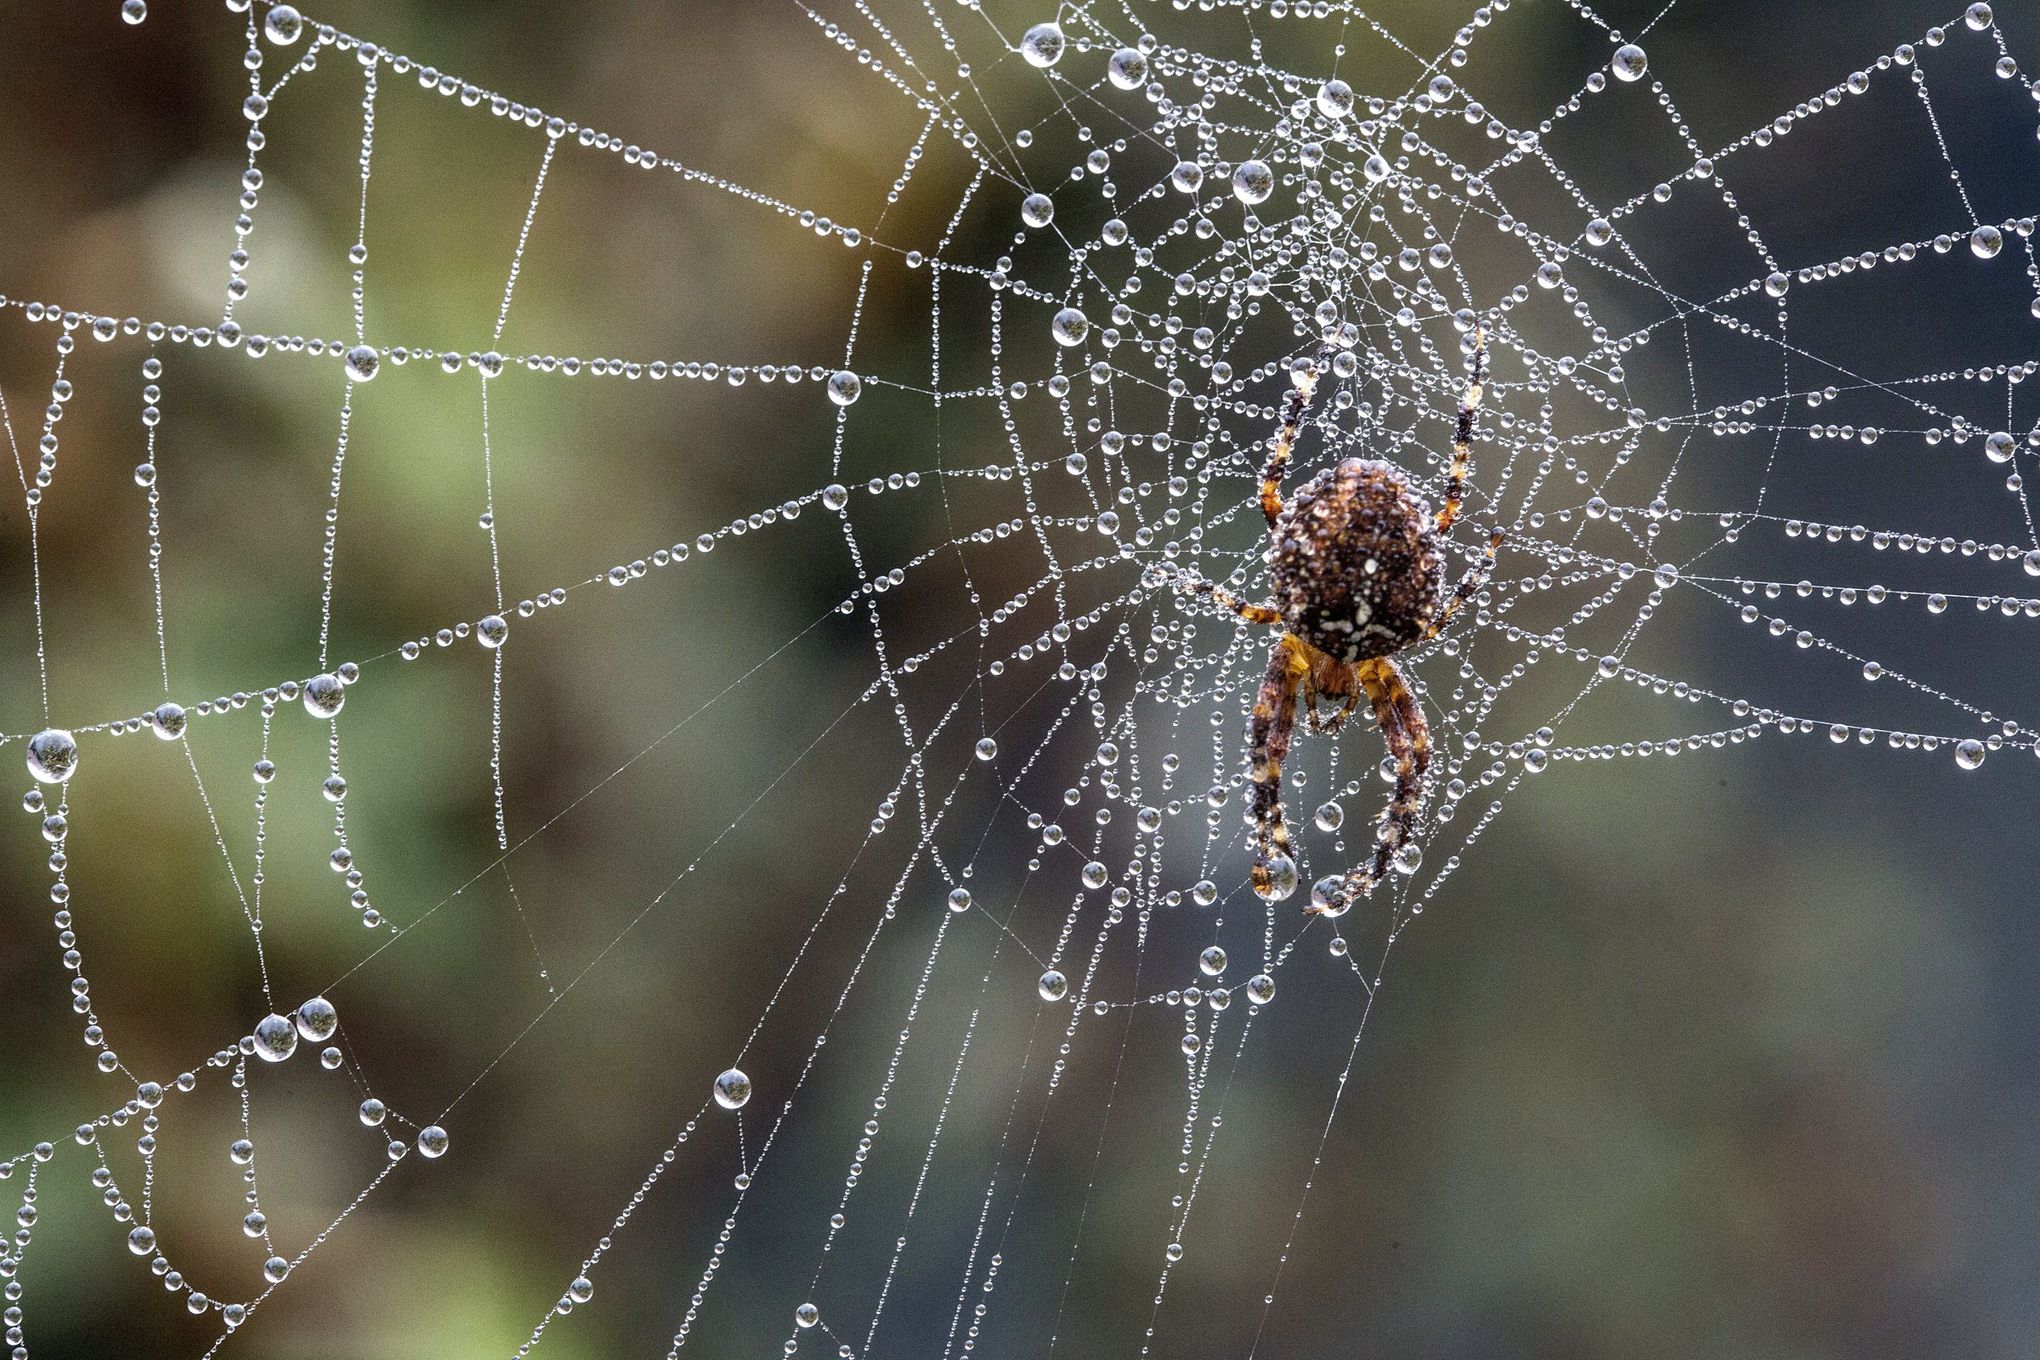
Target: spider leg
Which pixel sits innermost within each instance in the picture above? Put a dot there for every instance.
(1285, 438)
(1268, 732)
(1225, 599)
(1409, 743)
(1462, 435)
(1469, 585)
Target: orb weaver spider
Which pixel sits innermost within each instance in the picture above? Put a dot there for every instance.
(1357, 571)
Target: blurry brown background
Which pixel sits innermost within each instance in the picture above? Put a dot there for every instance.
(1724, 1055)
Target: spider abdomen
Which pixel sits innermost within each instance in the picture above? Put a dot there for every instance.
(1354, 561)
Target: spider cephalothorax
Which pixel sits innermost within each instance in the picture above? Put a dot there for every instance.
(1358, 574)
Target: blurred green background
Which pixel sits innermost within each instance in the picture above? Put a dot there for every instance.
(1723, 1055)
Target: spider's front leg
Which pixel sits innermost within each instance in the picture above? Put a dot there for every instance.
(1409, 743)
(1462, 436)
(1469, 586)
(1268, 732)
(1285, 436)
(1185, 583)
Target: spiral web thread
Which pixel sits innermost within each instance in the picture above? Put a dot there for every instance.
(1194, 224)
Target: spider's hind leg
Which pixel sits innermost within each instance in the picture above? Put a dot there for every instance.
(1269, 730)
(1409, 743)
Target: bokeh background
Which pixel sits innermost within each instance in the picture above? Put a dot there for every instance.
(1731, 1054)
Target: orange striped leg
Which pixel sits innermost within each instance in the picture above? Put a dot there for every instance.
(1462, 435)
(1469, 586)
(1268, 732)
(1284, 441)
(1225, 599)
(1409, 742)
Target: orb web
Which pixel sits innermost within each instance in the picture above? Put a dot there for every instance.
(945, 768)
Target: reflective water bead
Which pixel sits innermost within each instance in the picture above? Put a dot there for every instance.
(1052, 986)
(53, 755)
(317, 1019)
(1037, 210)
(1329, 816)
(282, 25)
(432, 1141)
(1212, 961)
(1069, 327)
(835, 495)
(274, 1269)
(1042, 45)
(323, 695)
(807, 1315)
(167, 722)
(134, 11)
(1096, 874)
(141, 1241)
(959, 899)
(373, 1111)
(581, 1290)
(276, 1038)
(987, 748)
(362, 363)
(1328, 896)
(1335, 99)
(492, 631)
(1969, 754)
(1253, 182)
(1978, 16)
(844, 387)
(1260, 989)
(1127, 69)
(1630, 62)
(732, 1089)
(1281, 879)
(1986, 241)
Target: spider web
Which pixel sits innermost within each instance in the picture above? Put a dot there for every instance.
(857, 699)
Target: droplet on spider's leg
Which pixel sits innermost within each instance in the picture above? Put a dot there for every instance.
(1328, 896)
(1280, 882)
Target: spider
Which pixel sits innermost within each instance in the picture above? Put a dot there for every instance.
(1357, 570)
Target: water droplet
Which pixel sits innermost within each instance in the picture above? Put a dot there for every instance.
(1335, 99)
(1037, 210)
(275, 1038)
(1053, 986)
(492, 631)
(1096, 874)
(1212, 961)
(1260, 989)
(134, 11)
(432, 1141)
(835, 495)
(316, 1020)
(324, 694)
(1969, 754)
(167, 722)
(807, 1315)
(959, 899)
(845, 387)
(1328, 896)
(282, 25)
(53, 752)
(1630, 62)
(1329, 816)
(987, 749)
(732, 1089)
(1281, 878)
(1986, 241)
(1978, 16)
(1253, 182)
(1069, 327)
(1042, 45)
(142, 1241)
(1127, 69)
